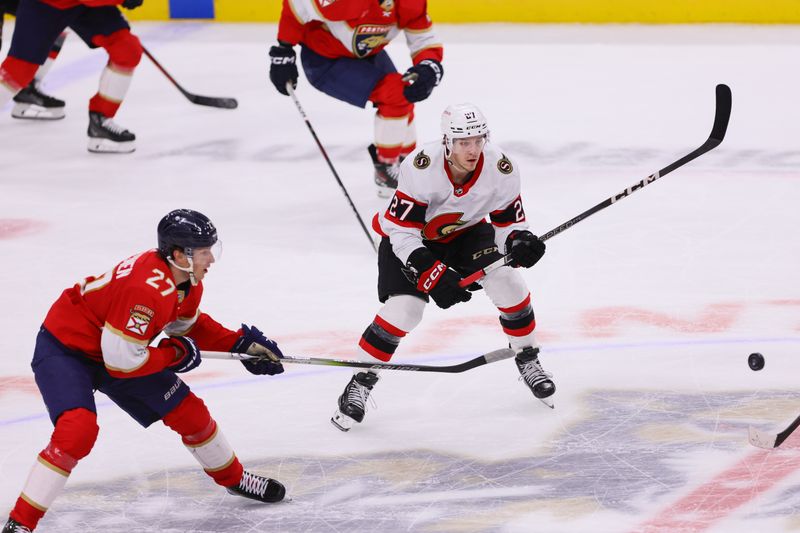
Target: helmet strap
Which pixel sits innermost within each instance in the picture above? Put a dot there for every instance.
(188, 269)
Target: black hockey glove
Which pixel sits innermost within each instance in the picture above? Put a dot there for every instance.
(283, 67)
(191, 354)
(436, 279)
(524, 248)
(132, 4)
(423, 76)
(253, 342)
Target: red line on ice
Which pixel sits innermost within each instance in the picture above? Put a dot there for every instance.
(720, 497)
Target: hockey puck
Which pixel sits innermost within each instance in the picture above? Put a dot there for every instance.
(756, 361)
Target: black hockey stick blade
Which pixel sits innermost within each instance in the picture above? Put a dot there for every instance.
(769, 441)
(723, 113)
(212, 101)
(490, 357)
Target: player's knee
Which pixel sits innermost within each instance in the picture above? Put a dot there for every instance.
(388, 97)
(505, 287)
(189, 418)
(75, 433)
(403, 311)
(124, 48)
(17, 73)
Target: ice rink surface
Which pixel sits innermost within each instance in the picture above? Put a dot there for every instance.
(646, 312)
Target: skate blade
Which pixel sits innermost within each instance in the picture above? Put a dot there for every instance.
(106, 146)
(35, 112)
(548, 402)
(342, 422)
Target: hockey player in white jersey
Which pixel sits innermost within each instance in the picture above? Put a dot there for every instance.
(434, 232)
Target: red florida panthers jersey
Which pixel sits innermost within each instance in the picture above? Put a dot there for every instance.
(358, 28)
(114, 317)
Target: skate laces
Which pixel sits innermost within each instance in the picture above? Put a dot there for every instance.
(533, 373)
(16, 527)
(358, 396)
(112, 126)
(254, 484)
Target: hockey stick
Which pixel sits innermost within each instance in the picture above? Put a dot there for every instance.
(210, 101)
(770, 441)
(491, 357)
(290, 90)
(721, 117)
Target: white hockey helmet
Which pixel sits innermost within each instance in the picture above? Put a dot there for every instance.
(460, 121)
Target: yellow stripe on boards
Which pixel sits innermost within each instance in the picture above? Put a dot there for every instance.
(149, 10)
(569, 11)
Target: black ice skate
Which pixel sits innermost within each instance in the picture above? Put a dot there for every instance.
(12, 526)
(106, 136)
(386, 174)
(353, 401)
(259, 488)
(537, 380)
(32, 103)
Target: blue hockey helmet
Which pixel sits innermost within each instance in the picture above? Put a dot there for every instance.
(185, 229)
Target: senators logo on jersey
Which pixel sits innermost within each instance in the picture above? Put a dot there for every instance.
(368, 38)
(442, 226)
(504, 165)
(422, 161)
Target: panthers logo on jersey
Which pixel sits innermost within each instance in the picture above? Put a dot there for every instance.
(504, 165)
(422, 161)
(369, 37)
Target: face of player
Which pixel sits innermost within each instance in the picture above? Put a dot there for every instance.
(202, 259)
(467, 152)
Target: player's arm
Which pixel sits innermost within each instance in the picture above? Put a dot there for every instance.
(510, 223)
(282, 57)
(135, 317)
(402, 222)
(208, 334)
(426, 50)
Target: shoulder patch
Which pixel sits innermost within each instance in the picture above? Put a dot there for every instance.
(504, 165)
(422, 161)
(139, 319)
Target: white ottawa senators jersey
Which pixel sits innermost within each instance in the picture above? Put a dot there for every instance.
(429, 206)
(358, 28)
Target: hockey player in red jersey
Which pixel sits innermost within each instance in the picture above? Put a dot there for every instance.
(434, 232)
(32, 102)
(342, 50)
(100, 24)
(97, 336)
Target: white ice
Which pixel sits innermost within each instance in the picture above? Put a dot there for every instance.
(646, 311)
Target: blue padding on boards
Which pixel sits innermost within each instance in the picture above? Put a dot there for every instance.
(191, 9)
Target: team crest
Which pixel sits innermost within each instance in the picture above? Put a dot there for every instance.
(369, 37)
(387, 5)
(441, 226)
(504, 165)
(140, 319)
(422, 161)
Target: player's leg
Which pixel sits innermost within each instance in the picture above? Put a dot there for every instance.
(359, 81)
(65, 381)
(36, 29)
(402, 311)
(395, 133)
(164, 396)
(106, 27)
(508, 291)
(32, 102)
